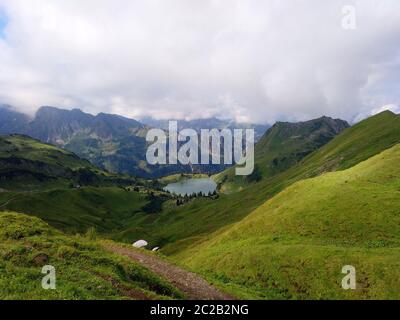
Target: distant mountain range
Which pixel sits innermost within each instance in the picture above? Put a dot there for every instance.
(112, 142)
(208, 123)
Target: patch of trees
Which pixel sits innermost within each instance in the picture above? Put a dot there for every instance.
(155, 203)
(181, 200)
(86, 177)
(256, 176)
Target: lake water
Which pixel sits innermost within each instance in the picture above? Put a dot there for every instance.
(190, 186)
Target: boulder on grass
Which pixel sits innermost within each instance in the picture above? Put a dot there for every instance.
(140, 244)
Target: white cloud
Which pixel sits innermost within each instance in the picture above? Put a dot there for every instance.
(250, 60)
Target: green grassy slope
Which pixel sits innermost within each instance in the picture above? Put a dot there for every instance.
(283, 145)
(76, 210)
(114, 212)
(356, 144)
(295, 244)
(83, 269)
(177, 228)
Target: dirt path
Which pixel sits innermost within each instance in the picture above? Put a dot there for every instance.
(192, 285)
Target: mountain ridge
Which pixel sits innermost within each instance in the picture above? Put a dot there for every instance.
(282, 146)
(111, 142)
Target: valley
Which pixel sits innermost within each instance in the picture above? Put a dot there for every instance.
(324, 195)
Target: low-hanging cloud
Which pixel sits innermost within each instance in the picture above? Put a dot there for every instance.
(256, 61)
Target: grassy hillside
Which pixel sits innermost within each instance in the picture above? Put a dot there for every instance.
(19, 146)
(110, 210)
(295, 244)
(356, 144)
(76, 210)
(68, 192)
(283, 145)
(27, 164)
(177, 228)
(83, 269)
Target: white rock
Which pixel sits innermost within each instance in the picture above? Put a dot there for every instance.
(140, 244)
(155, 249)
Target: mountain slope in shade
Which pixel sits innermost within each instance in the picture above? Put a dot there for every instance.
(60, 126)
(27, 164)
(12, 121)
(282, 146)
(295, 245)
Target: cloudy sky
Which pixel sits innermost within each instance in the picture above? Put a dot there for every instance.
(253, 60)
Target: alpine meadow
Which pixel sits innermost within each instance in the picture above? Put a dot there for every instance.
(217, 150)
